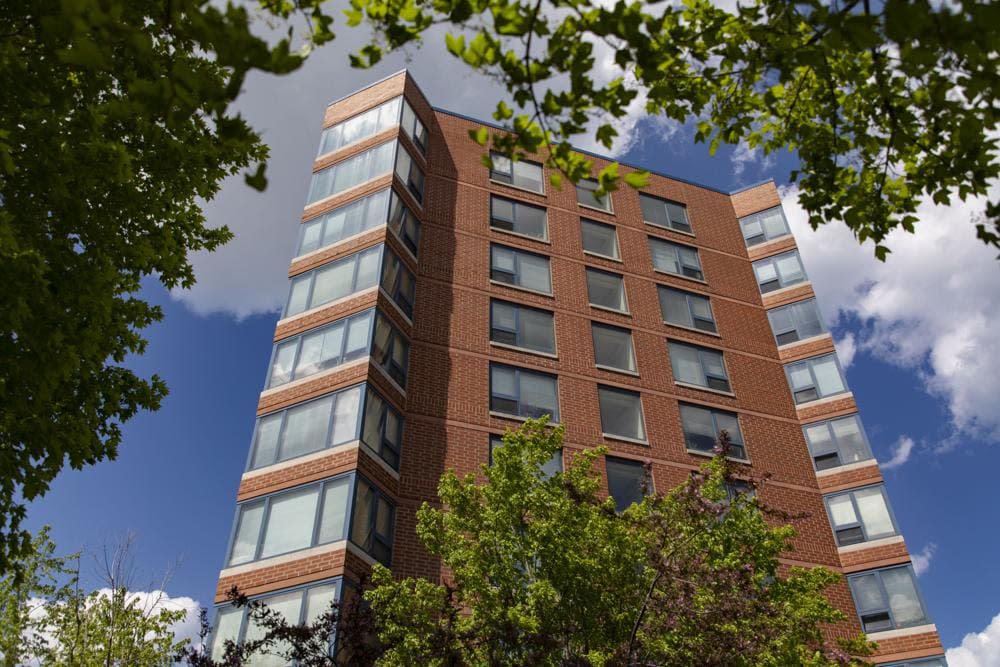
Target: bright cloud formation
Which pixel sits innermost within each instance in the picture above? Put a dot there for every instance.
(901, 452)
(978, 649)
(922, 559)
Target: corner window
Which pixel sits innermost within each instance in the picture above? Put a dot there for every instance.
(606, 290)
(398, 283)
(549, 468)
(621, 413)
(521, 326)
(780, 271)
(372, 521)
(523, 393)
(334, 281)
(686, 309)
(404, 224)
(628, 481)
(699, 366)
(887, 599)
(585, 196)
(815, 378)
(663, 213)
(676, 259)
(390, 350)
(353, 171)
(413, 128)
(764, 226)
(382, 429)
(860, 515)
(520, 268)
(613, 347)
(344, 222)
(410, 174)
(326, 347)
(362, 126)
(600, 239)
(795, 322)
(520, 174)
(702, 426)
(837, 442)
(519, 218)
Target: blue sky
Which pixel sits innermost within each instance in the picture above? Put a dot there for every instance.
(917, 336)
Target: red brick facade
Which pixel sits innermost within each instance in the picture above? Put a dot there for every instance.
(446, 402)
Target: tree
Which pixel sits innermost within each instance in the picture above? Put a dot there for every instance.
(884, 102)
(114, 125)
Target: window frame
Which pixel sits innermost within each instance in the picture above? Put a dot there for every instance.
(498, 176)
(614, 237)
(368, 202)
(738, 442)
(808, 363)
(300, 337)
(397, 371)
(797, 322)
(594, 326)
(356, 257)
(706, 376)
(588, 270)
(644, 435)
(670, 222)
(516, 398)
(781, 282)
(859, 523)
(676, 248)
(386, 541)
(714, 331)
(515, 205)
(403, 297)
(414, 186)
(517, 253)
(835, 448)
(610, 209)
(411, 132)
(887, 608)
(625, 463)
(382, 428)
(376, 111)
(366, 154)
(747, 220)
(409, 238)
(517, 330)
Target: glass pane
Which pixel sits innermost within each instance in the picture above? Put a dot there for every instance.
(765, 272)
(653, 211)
(227, 627)
(773, 223)
(311, 233)
(818, 437)
(363, 507)
(537, 331)
(528, 175)
(297, 298)
(534, 273)
(320, 350)
(674, 305)
(699, 430)
(288, 605)
(752, 228)
(345, 419)
(799, 376)
(369, 269)
(874, 513)
(502, 381)
(600, 239)
(625, 481)
(664, 256)
(790, 269)
(613, 347)
(266, 440)
(306, 427)
(373, 418)
(713, 363)
(903, 598)
(850, 440)
(501, 164)
(289, 522)
(318, 601)
(731, 425)
(538, 396)
(334, 511)
(502, 211)
(383, 519)
(621, 413)
(281, 367)
(606, 289)
(333, 282)
(358, 334)
(531, 221)
(678, 216)
(502, 259)
(504, 315)
(807, 318)
(247, 531)
(842, 511)
(828, 376)
(781, 320)
(867, 593)
(686, 364)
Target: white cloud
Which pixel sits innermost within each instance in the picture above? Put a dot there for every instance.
(978, 649)
(933, 307)
(900, 453)
(846, 348)
(743, 156)
(922, 559)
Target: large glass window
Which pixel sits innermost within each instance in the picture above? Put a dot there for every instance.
(517, 217)
(521, 326)
(606, 290)
(334, 281)
(837, 442)
(599, 238)
(628, 481)
(520, 268)
(860, 515)
(524, 393)
(585, 195)
(549, 468)
(398, 283)
(360, 127)
(699, 366)
(410, 173)
(702, 425)
(321, 423)
(764, 226)
(815, 378)
(521, 174)
(320, 349)
(676, 259)
(413, 128)
(686, 309)
(887, 599)
(390, 349)
(621, 413)
(343, 222)
(782, 270)
(613, 347)
(382, 429)
(663, 213)
(796, 321)
(372, 523)
(352, 171)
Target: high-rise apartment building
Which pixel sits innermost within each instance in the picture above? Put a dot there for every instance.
(434, 303)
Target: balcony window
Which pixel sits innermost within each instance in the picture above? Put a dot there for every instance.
(764, 226)
(699, 366)
(353, 171)
(887, 599)
(613, 347)
(628, 481)
(599, 239)
(686, 309)
(702, 425)
(523, 393)
(837, 442)
(318, 350)
(585, 195)
(344, 222)
(860, 515)
(675, 259)
(520, 268)
(334, 281)
(621, 413)
(520, 174)
(382, 429)
(780, 271)
(606, 290)
(521, 326)
(815, 378)
(663, 213)
(362, 126)
(519, 218)
(795, 322)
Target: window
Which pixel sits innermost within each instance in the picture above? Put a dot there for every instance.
(513, 216)
(699, 366)
(679, 260)
(585, 196)
(382, 428)
(606, 290)
(360, 127)
(923, 662)
(390, 350)
(613, 347)
(837, 442)
(736, 488)
(702, 426)
(628, 481)
(686, 309)
(524, 393)
(764, 226)
(663, 213)
(520, 268)
(323, 422)
(549, 468)
(299, 606)
(860, 515)
(521, 326)
(887, 599)
(352, 171)
(334, 281)
(404, 224)
(410, 173)
(372, 523)
(621, 413)
(323, 348)
(779, 271)
(413, 128)
(599, 239)
(815, 378)
(398, 283)
(343, 222)
(520, 174)
(796, 321)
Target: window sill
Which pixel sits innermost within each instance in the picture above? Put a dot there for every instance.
(517, 418)
(605, 257)
(825, 399)
(700, 281)
(902, 632)
(625, 438)
(526, 350)
(605, 211)
(669, 229)
(611, 310)
(785, 289)
(694, 329)
(775, 240)
(720, 392)
(519, 235)
(519, 187)
(710, 455)
(871, 544)
(613, 369)
(802, 341)
(857, 465)
(547, 295)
